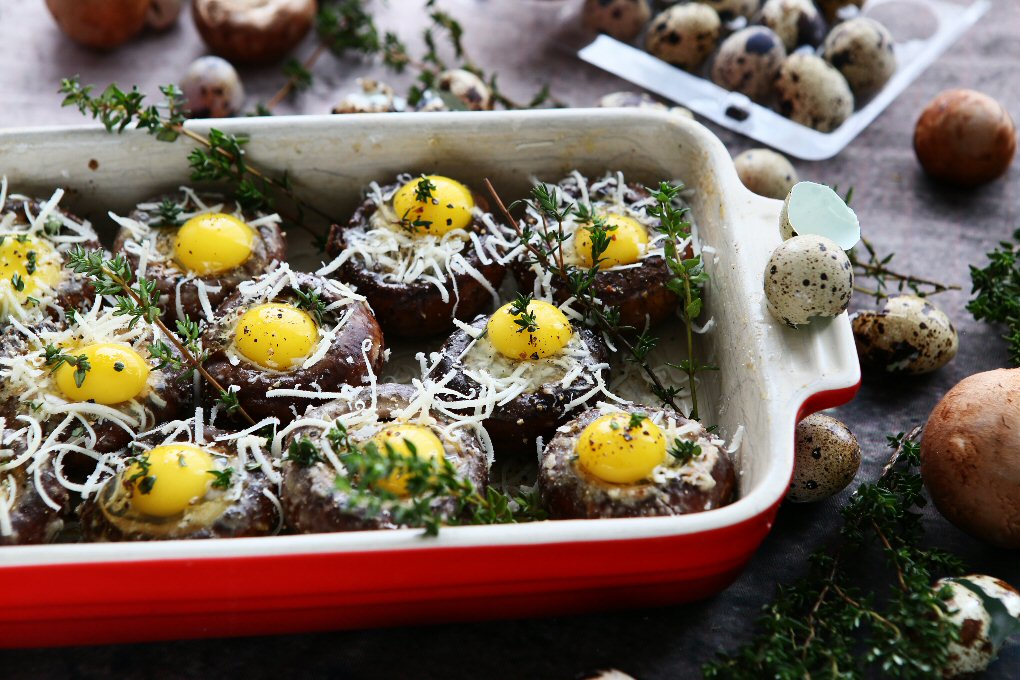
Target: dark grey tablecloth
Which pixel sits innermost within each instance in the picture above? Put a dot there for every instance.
(936, 231)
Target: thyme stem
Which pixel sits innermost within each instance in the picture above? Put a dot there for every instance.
(590, 308)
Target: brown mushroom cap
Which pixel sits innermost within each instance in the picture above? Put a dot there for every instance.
(253, 31)
(102, 24)
(970, 456)
(965, 137)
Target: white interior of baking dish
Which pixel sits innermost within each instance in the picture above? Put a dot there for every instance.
(766, 370)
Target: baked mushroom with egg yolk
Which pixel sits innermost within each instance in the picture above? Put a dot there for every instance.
(183, 489)
(30, 519)
(34, 244)
(636, 462)
(389, 419)
(282, 339)
(198, 248)
(94, 378)
(423, 250)
(633, 274)
(531, 363)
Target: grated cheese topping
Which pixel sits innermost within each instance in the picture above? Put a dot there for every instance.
(402, 257)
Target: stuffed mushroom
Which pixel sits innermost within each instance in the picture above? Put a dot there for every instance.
(525, 370)
(96, 381)
(33, 502)
(36, 238)
(198, 248)
(632, 274)
(186, 482)
(288, 340)
(387, 416)
(424, 251)
(633, 462)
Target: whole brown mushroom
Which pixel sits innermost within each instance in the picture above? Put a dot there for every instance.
(101, 24)
(965, 137)
(253, 31)
(970, 456)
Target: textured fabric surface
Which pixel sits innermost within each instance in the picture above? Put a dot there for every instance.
(936, 231)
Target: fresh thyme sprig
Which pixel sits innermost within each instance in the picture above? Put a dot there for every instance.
(525, 320)
(874, 267)
(816, 627)
(430, 482)
(689, 277)
(996, 292)
(684, 451)
(222, 479)
(548, 254)
(137, 299)
(220, 156)
(311, 302)
(55, 357)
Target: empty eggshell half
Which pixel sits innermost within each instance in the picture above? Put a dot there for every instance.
(812, 208)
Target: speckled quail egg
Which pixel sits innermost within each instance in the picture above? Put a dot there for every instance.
(467, 88)
(908, 335)
(807, 276)
(747, 62)
(766, 172)
(826, 459)
(684, 35)
(862, 50)
(836, 10)
(813, 93)
(812, 208)
(729, 10)
(639, 100)
(621, 19)
(982, 631)
(796, 22)
(212, 88)
(375, 97)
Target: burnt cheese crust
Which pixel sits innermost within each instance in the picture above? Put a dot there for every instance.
(313, 504)
(176, 286)
(515, 426)
(568, 491)
(638, 292)
(32, 519)
(73, 291)
(343, 364)
(416, 308)
(108, 516)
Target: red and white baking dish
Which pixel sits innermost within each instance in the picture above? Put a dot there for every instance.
(768, 376)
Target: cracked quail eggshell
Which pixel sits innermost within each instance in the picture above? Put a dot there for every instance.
(817, 209)
(826, 459)
(977, 647)
(807, 276)
(908, 335)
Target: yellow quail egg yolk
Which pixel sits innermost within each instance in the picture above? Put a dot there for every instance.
(116, 373)
(213, 243)
(627, 240)
(617, 450)
(406, 440)
(276, 335)
(515, 338)
(445, 204)
(27, 263)
(168, 477)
